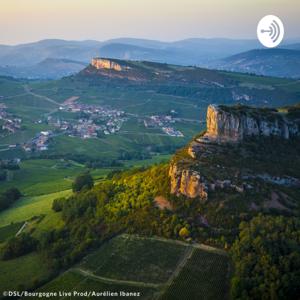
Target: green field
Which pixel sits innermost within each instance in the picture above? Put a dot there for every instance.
(45, 176)
(10, 87)
(133, 135)
(44, 180)
(22, 273)
(199, 280)
(42, 176)
(28, 207)
(151, 266)
(148, 162)
(39, 225)
(73, 281)
(131, 258)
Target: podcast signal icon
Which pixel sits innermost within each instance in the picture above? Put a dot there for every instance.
(270, 31)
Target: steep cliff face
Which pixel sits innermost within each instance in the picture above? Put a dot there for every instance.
(234, 124)
(100, 63)
(214, 161)
(187, 182)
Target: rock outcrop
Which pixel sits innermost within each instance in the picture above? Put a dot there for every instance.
(100, 63)
(197, 170)
(233, 124)
(187, 182)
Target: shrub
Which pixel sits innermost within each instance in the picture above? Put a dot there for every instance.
(9, 197)
(83, 181)
(57, 204)
(184, 232)
(18, 246)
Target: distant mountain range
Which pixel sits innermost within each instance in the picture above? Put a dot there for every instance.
(268, 62)
(49, 68)
(56, 58)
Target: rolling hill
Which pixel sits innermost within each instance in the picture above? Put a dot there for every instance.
(267, 62)
(32, 53)
(49, 68)
(295, 46)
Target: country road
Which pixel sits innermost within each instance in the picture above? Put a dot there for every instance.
(22, 228)
(116, 281)
(187, 255)
(194, 245)
(28, 91)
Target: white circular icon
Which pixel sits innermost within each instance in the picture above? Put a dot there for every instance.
(270, 31)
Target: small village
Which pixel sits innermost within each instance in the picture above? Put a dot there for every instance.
(93, 120)
(163, 122)
(89, 121)
(39, 143)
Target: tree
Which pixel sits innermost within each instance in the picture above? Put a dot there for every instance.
(267, 259)
(184, 232)
(9, 197)
(13, 194)
(83, 181)
(57, 204)
(18, 246)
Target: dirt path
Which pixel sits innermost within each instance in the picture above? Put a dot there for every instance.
(116, 281)
(22, 228)
(190, 120)
(121, 132)
(187, 255)
(15, 96)
(28, 91)
(138, 104)
(194, 245)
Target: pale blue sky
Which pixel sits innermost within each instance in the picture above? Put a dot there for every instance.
(31, 20)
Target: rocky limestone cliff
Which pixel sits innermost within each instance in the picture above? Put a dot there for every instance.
(187, 182)
(100, 63)
(233, 124)
(226, 125)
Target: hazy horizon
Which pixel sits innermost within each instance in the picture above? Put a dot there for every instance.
(294, 39)
(34, 20)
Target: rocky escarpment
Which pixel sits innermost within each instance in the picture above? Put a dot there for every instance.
(233, 124)
(215, 161)
(187, 182)
(100, 63)
(190, 183)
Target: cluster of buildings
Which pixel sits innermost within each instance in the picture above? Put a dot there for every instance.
(93, 120)
(90, 121)
(172, 132)
(39, 143)
(164, 123)
(10, 123)
(84, 129)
